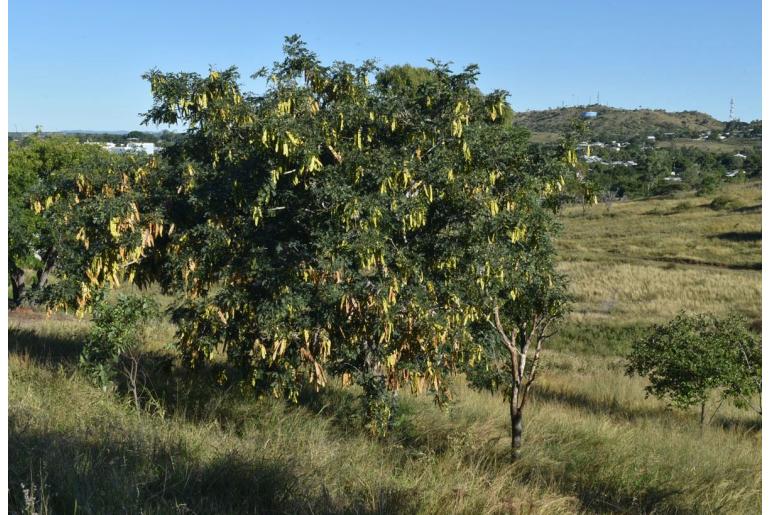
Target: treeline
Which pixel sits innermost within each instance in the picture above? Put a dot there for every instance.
(162, 138)
(662, 171)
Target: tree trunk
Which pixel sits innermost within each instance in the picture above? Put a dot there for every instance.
(702, 413)
(42, 275)
(517, 428)
(17, 285)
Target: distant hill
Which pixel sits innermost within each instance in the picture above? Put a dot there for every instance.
(614, 123)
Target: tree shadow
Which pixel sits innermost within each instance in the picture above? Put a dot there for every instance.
(613, 407)
(61, 348)
(137, 473)
(748, 209)
(649, 500)
(616, 409)
(742, 425)
(740, 236)
(342, 406)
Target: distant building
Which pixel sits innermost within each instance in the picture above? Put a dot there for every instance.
(739, 155)
(650, 138)
(132, 147)
(589, 114)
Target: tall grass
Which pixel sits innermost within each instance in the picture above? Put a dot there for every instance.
(593, 443)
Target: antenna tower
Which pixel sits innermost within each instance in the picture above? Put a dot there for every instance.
(732, 109)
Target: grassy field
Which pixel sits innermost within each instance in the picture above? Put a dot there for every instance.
(592, 443)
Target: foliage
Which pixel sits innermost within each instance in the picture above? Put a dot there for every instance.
(688, 358)
(322, 225)
(33, 165)
(724, 203)
(118, 331)
(76, 210)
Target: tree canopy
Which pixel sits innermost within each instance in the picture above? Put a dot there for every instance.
(353, 221)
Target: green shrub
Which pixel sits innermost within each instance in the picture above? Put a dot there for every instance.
(682, 207)
(116, 336)
(724, 203)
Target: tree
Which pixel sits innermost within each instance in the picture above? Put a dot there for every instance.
(39, 170)
(315, 224)
(519, 295)
(76, 212)
(327, 225)
(501, 245)
(694, 355)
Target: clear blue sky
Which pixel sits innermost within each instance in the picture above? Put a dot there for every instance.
(78, 65)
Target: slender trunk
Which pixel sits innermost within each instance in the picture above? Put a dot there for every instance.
(702, 413)
(517, 428)
(516, 417)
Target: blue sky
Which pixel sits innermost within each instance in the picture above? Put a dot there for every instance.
(78, 65)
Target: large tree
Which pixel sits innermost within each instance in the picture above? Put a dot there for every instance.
(340, 222)
(314, 222)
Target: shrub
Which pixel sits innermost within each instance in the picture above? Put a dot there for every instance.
(117, 334)
(724, 203)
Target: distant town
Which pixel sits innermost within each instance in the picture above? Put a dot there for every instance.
(131, 146)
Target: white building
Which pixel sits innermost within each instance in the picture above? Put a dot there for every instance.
(132, 147)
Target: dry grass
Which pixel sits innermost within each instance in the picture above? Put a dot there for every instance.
(640, 262)
(593, 444)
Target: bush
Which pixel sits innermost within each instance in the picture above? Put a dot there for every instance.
(724, 203)
(117, 334)
(693, 355)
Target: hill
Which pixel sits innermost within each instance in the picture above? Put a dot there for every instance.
(613, 123)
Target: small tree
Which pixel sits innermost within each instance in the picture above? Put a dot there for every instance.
(115, 340)
(693, 355)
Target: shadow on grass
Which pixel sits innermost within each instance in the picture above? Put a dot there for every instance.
(749, 209)
(63, 348)
(612, 408)
(739, 425)
(740, 236)
(647, 501)
(692, 261)
(133, 473)
(616, 409)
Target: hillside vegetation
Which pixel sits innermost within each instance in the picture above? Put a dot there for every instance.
(619, 124)
(595, 443)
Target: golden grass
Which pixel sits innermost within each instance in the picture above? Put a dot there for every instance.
(593, 444)
(641, 293)
(642, 261)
